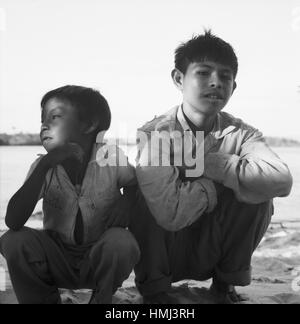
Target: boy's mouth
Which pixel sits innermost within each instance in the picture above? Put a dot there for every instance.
(213, 96)
(46, 138)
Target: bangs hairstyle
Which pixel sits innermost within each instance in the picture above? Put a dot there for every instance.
(203, 48)
(90, 104)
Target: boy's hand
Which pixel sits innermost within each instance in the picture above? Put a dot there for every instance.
(62, 153)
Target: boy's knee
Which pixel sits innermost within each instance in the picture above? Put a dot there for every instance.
(261, 211)
(230, 202)
(128, 247)
(13, 242)
(120, 242)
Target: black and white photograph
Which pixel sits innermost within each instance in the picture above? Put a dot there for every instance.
(150, 154)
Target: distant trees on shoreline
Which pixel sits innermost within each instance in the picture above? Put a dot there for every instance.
(20, 139)
(280, 141)
(34, 139)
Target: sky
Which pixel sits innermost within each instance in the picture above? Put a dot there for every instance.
(124, 48)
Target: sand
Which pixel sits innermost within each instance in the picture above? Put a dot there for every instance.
(276, 277)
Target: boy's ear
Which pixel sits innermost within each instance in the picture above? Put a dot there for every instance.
(177, 77)
(234, 87)
(90, 128)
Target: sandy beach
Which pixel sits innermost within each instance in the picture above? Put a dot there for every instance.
(276, 277)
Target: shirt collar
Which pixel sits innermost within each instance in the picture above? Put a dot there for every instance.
(180, 117)
(220, 129)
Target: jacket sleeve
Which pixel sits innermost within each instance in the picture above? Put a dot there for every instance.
(174, 203)
(255, 175)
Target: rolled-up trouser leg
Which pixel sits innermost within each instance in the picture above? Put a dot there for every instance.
(112, 259)
(36, 266)
(242, 226)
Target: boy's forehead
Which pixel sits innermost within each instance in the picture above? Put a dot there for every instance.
(211, 64)
(57, 103)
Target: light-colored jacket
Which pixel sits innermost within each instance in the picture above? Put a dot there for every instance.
(236, 156)
(96, 198)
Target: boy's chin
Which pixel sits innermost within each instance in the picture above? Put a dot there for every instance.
(48, 149)
(51, 146)
(210, 107)
(210, 110)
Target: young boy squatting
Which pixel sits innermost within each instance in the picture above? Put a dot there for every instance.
(84, 243)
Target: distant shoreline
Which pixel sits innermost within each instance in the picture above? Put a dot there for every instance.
(21, 144)
(22, 139)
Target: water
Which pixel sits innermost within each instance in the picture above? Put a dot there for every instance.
(15, 163)
(14, 166)
(289, 208)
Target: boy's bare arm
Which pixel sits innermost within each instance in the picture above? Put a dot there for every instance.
(22, 204)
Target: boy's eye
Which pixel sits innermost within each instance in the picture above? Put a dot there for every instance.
(56, 116)
(203, 72)
(226, 76)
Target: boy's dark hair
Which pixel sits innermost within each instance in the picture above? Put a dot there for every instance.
(205, 47)
(90, 104)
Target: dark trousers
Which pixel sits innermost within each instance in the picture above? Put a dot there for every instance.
(39, 263)
(219, 244)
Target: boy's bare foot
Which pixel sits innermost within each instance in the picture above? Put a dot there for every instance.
(223, 293)
(160, 298)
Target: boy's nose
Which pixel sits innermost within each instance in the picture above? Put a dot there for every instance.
(44, 127)
(215, 81)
